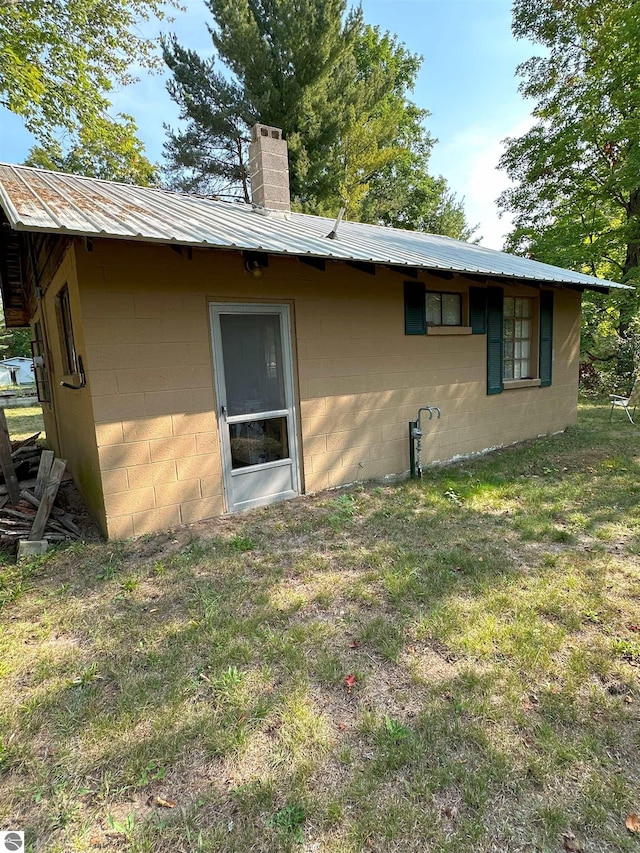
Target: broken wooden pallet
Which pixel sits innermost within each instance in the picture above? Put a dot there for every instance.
(33, 516)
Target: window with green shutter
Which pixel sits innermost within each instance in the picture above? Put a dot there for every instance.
(513, 359)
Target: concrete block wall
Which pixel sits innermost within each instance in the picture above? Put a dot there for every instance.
(150, 370)
(359, 393)
(69, 416)
(359, 379)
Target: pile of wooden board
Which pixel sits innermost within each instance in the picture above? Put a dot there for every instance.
(27, 503)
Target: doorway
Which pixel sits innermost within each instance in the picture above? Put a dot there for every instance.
(256, 404)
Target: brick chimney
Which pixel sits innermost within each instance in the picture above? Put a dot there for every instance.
(269, 168)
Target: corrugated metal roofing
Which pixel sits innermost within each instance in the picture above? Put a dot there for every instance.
(37, 200)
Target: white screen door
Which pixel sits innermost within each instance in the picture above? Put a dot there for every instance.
(256, 406)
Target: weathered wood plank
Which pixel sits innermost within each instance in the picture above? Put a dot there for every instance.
(56, 526)
(48, 497)
(6, 462)
(44, 469)
(14, 513)
(25, 484)
(58, 513)
(29, 498)
(65, 520)
(27, 445)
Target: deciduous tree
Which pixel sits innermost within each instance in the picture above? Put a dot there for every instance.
(576, 198)
(59, 59)
(109, 150)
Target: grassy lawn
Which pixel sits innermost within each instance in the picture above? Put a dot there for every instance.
(444, 665)
(24, 421)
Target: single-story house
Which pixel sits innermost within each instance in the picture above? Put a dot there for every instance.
(197, 357)
(20, 370)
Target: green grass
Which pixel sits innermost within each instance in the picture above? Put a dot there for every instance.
(24, 421)
(489, 617)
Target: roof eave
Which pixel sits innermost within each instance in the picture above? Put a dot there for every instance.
(596, 286)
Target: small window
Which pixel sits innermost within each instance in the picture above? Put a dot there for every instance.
(444, 309)
(65, 331)
(518, 337)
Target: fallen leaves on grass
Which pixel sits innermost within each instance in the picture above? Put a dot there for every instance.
(570, 843)
(350, 680)
(155, 800)
(633, 822)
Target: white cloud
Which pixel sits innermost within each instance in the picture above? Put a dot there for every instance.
(469, 162)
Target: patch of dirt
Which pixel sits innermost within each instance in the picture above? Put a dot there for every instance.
(70, 501)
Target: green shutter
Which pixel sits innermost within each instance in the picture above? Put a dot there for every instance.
(546, 337)
(478, 310)
(415, 316)
(494, 340)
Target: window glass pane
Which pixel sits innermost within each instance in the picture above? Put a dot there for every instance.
(253, 373)
(257, 442)
(434, 316)
(518, 329)
(451, 309)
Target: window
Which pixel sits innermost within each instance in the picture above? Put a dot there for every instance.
(65, 331)
(518, 337)
(519, 340)
(444, 309)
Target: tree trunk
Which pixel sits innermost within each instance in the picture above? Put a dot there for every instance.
(632, 259)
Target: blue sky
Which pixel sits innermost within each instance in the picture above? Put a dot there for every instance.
(467, 82)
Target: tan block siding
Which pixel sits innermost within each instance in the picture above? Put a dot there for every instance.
(360, 379)
(69, 418)
(156, 429)
(360, 393)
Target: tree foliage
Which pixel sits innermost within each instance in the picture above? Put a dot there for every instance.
(59, 59)
(576, 198)
(109, 150)
(339, 91)
(14, 342)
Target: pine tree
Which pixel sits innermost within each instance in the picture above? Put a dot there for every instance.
(339, 91)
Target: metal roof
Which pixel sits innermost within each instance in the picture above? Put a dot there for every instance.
(38, 200)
